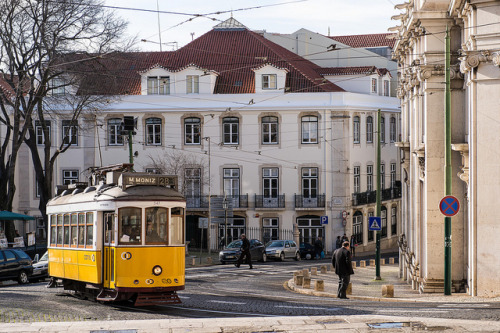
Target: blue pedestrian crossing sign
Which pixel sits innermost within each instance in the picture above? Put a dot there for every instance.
(374, 223)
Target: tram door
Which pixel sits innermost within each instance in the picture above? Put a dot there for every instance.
(109, 250)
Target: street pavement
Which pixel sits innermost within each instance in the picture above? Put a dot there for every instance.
(364, 287)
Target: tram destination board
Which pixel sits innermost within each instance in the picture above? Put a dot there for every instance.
(132, 179)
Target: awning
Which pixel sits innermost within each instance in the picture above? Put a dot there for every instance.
(10, 216)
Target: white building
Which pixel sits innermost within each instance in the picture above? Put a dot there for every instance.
(236, 115)
(475, 84)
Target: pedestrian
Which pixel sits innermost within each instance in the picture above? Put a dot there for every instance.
(341, 260)
(318, 248)
(353, 245)
(338, 243)
(345, 238)
(245, 252)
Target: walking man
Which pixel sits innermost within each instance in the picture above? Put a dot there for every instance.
(245, 252)
(341, 260)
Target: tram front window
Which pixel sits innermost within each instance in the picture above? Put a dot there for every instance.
(130, 229)
(156, 225)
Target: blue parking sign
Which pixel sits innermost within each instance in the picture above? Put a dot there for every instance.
(324, 219)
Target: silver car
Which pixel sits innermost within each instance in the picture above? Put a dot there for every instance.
(282, 249)
(40, 268)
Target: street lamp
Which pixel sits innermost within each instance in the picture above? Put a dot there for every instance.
(225, 205)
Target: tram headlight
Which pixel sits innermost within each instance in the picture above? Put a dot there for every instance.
(157, 270)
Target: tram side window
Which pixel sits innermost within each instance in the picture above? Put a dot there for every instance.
(177, 226)
(90, 230)
(156, 225)
(81, 230)
(59, 230)
(53, 229)
(66, 230)
(130, 228)
(74, 227)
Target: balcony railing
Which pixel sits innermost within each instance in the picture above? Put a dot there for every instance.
(270, 202)
(201, 201)
(302, 201)
(371, 196)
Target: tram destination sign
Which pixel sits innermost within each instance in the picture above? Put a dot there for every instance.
(133, 179)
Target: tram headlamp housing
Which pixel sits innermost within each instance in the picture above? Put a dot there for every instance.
(157, 270)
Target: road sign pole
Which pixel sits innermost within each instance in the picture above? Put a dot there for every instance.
(447, 149)
(378, 198)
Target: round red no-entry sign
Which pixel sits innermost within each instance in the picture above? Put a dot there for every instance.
(449, 205)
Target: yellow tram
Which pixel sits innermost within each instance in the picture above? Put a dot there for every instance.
(122, 239)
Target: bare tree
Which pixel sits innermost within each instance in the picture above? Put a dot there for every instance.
(44, 47)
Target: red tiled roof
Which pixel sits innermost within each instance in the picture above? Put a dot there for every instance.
(232, 53)
(370, 40)
(360, 70)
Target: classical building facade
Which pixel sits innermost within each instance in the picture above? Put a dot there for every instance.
(475, 83)
(237, 116)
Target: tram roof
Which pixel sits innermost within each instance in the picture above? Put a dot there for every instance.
(117, 193)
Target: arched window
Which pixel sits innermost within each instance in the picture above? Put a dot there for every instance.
(369, 129)
(153, 132)
(269, 130)
(309, 129)
(192, 131)
(357, 227)
(115, 137)
(230, 130)
(383, 218)
(392, 129)
(382, 129)
(355, 129)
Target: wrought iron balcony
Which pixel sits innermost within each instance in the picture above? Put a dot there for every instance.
(201, 201)
(270, 202)
(369, 197)
(302, 201)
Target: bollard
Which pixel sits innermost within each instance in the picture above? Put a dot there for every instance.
(209, 260)
(391, 261)
(331, 268)
(306, 283)
(382, 261)
(193, 261)
(323, 269)
(299, 279)
(388, 290)
(349, 289)
(314, 271)
(362, 263)
(305, 272)
(319, 285)
(297, 273)
(372, 262)
(353, 265)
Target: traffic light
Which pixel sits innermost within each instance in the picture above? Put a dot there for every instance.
(129, 123)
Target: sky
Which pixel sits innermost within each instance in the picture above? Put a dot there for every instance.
(187, 19)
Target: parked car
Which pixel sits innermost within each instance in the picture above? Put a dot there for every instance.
(232, 251)
(40, 267)
(15, 265)
(307, 251)
(282, 249)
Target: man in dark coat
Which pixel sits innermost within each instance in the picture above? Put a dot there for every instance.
(341, 260)
(318, 247)
(245, 252)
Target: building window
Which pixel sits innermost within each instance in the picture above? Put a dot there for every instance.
(369, 129)
(393, 175)
(57, 86)
(153, 131)
(369, 177)
(310, 129)
(370, 233)
(270, 181)
(383, 219)
(374, 86)
(70, 177)
(394, 221)
(115, 137)
(356, 179)
(392, 129)
(382, 129)
(192, 179)
(269, 81)
(40, 137)
(386, 88)
(310, 182)
(158, 85)
(269, 130)
(270, 229)
(192, 84)
(230, 129)
(310, 229)
(70, 132)
(382, 176)
(357, 227)
(192, 131)
(154, 171)
(232, 182)
(355, 130)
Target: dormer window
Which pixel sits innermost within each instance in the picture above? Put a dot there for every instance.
(374, 86)
(269, 81)
(57, 86)
(386, 87)
(158, 85)
(192, 84)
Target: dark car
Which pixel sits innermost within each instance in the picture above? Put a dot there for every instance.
(15, 265)
(40, 268)
(232, 251)
(307, 251)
